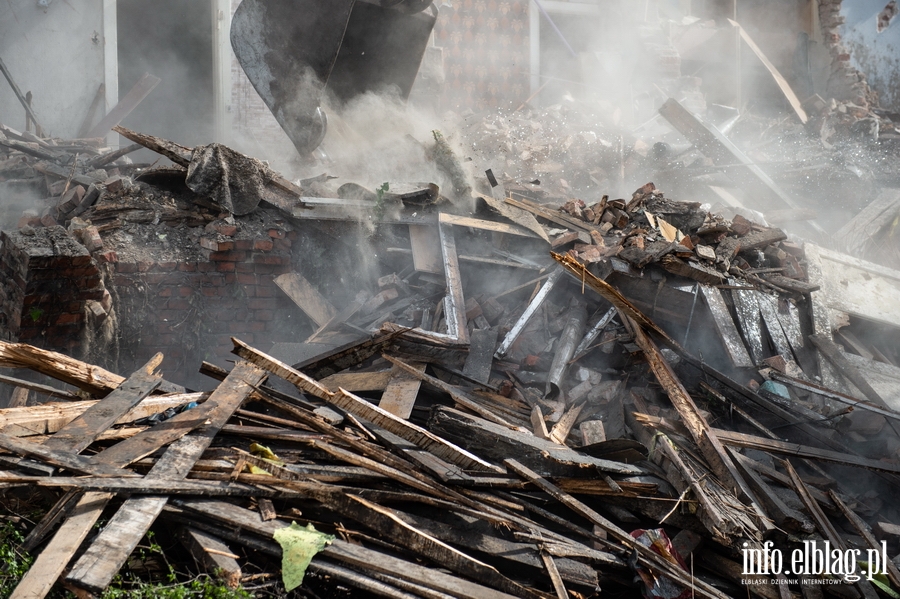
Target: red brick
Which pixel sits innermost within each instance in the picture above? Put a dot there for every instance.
(185, 291)
(214, 278)
(230, 256)
(256, 326)
(283, 245)
(264, 315)
(145, 266)
(210, 291)
(187, 267)
(293, 235)
(265, 291)
(163, 328)
(126, 267)
(225, 229)
(166, 266)
(107, 256)
(206, 267)
(208, 243)
(225, 266)
(69, 319)
(243, 244)
(245, 267)
(263, 245)
(276, 234)
(165, 292)
(246, 279)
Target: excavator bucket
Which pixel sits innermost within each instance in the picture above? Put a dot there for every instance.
(294, 50)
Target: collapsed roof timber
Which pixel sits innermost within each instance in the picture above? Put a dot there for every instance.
(523, 372)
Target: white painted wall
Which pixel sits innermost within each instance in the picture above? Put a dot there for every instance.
(58, 53)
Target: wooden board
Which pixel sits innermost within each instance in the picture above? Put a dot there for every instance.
(485, 225)
(213, 555)
(399, 396)
(495, 442)
(306, 297)
(358, 381)
(48, 418)
(780, 81)
(854, 286)
(724, 153)
(860, 234)
(481, 354)
(411, 432)
(724, 323)
(83, 430)
(454, 301)
(750, 322)
(425, 251)
(128, 103)
(768, 308)
(96, 568)
(238, 519)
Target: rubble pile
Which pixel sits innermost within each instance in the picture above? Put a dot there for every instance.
(534, 399)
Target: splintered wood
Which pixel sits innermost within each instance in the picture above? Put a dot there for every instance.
(641, 411)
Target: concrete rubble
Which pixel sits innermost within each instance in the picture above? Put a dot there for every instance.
(541, 376)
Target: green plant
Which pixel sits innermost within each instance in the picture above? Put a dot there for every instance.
(379, 200)
(13, 561)
(201, 587)
(35, 313)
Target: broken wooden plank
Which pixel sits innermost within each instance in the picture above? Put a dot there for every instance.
(400, 393)
(279, 368)
(533, 306)
(96, 568)
(644, 553)
(128, 103)
(780, 81)
(411, 432)
(481, 354)
(860, 234)
(213, 555)
(454, 301)
(495, 442)
(833, 354)
(726, 328)
(749, 320)
(48, 418)
(238, 519)
(78, 434)
(426, 253)
(802, 451)
(485, 225)
(826, 528)
(458, 396)
(37, 387)
(306, 297)
(724, 153)
(358, 381)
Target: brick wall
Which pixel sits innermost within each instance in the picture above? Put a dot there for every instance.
(47, 280)
(189, 310)
(845, 83)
